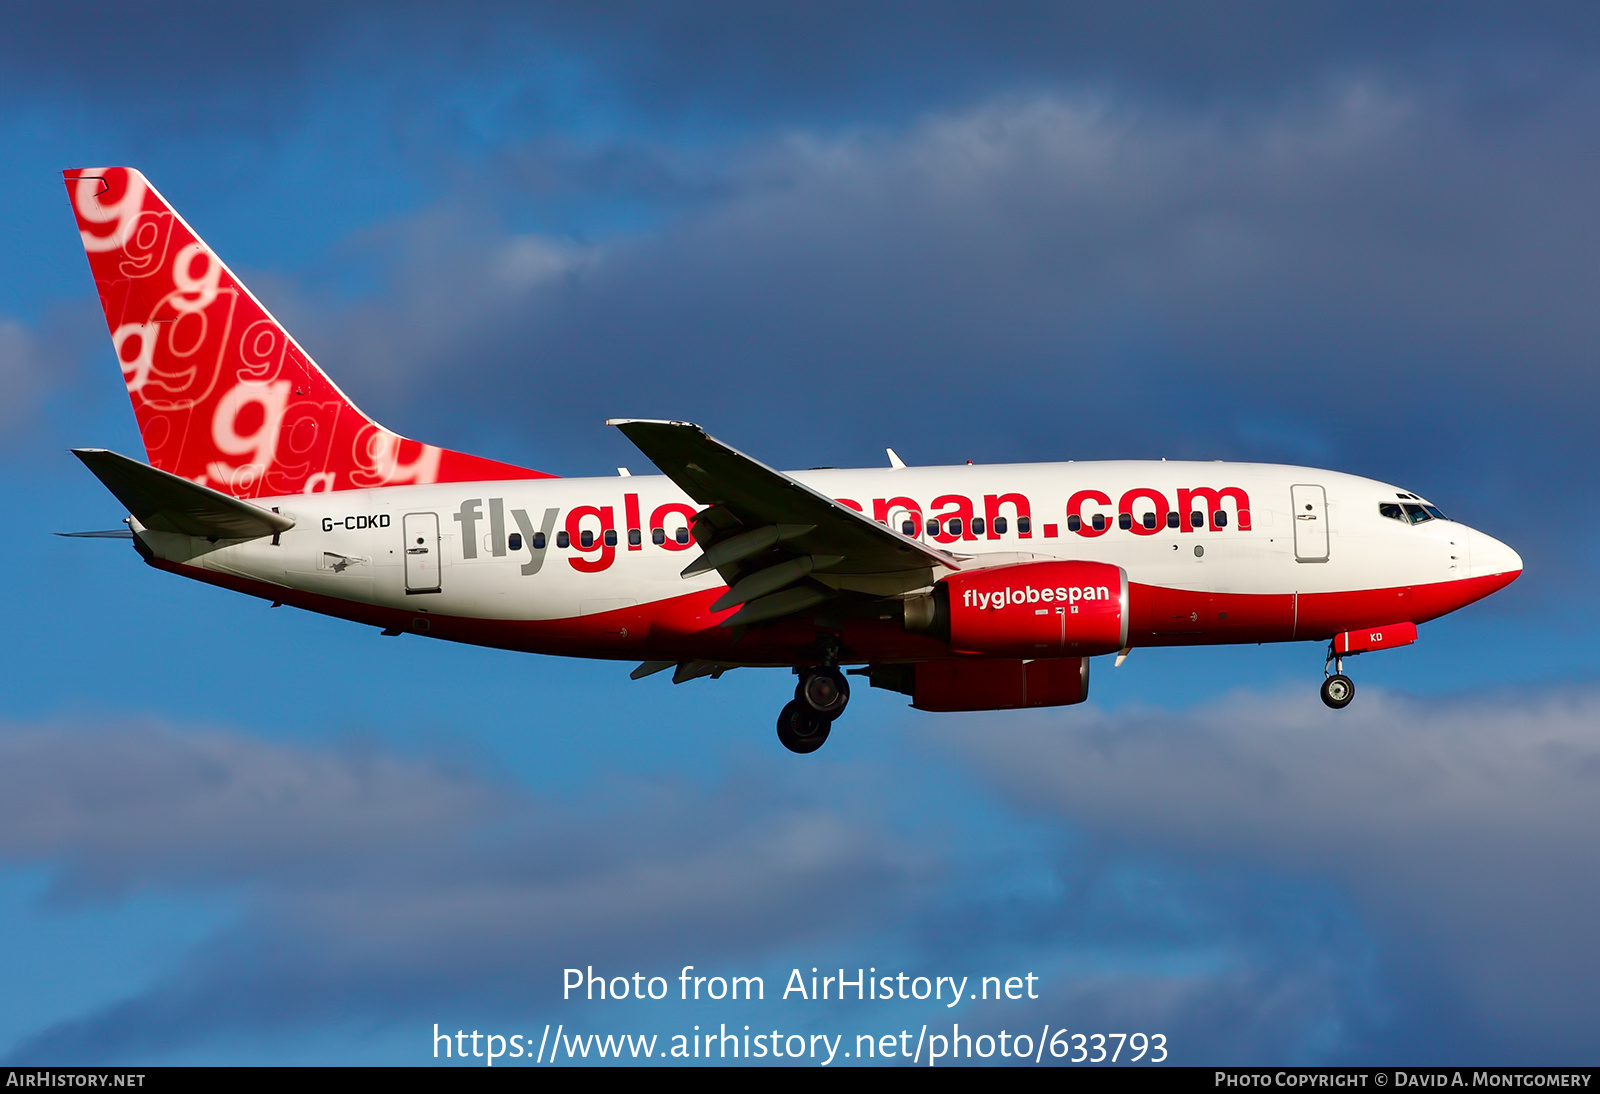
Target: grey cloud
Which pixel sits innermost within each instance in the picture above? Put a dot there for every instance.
(373, 885)
(373, 888)
(450, 280)
(743, 64)
(1461, 829)
(140, 807)
(1375, 267)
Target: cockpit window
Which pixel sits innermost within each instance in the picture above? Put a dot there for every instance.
(1410, 512)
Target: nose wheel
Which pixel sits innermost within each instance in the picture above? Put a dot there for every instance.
(819, 698)
(1337, 688)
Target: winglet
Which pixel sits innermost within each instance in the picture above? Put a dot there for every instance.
(894, 459)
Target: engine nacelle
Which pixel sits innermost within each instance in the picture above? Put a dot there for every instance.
(1029, 609)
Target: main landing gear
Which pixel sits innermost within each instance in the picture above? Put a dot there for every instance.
(1337, 688)
(819, 698)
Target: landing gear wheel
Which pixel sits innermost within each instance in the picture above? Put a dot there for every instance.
(1337, 691)
(802, 729)
(824, 691)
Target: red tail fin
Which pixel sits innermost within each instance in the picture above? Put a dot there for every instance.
(223, 395)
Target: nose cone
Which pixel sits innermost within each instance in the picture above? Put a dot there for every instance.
(1490, 558)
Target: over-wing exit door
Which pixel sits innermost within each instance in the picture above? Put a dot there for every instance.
(1310, 504)
(422, 552)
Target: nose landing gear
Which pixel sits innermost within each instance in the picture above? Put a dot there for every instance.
(1337, 688)
(819, 698)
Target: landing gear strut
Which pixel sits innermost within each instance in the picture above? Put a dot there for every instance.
(819, 698)
(1337, 688)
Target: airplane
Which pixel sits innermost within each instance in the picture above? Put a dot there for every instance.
(973, 587)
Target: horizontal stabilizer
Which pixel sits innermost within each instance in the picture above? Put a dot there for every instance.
(109, 533)
(167, 503)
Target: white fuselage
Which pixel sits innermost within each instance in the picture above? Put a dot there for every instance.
(1264, 531)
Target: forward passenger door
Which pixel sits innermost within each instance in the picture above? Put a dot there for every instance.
(1310, 506)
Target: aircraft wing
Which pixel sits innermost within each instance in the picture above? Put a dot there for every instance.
(781, 546)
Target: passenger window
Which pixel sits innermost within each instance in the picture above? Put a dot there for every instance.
(1024, 526)
(1074, 522)
(611, 538)
(539, 540)
(933, 527)
(1099, 522)
(635, 538)
(908, 528)
(563, 540)
(1149, 520)
(977, 526)
(1124, 521)
(682, 534)
(955, 526)
(1220, 518)
(586, 539)
(658, 535)
(515, 541)
(1197, 519)
(1000, 526)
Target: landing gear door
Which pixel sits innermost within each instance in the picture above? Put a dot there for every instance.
(422, 552)
(1310, 504)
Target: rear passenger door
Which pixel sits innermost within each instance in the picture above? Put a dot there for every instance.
(422, 552)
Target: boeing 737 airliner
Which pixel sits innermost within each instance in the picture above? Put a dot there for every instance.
(965, 588)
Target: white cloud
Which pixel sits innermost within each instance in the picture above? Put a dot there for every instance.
(1463, 829)
(22, 371)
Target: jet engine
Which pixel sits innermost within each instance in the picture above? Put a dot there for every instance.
(1027, 610)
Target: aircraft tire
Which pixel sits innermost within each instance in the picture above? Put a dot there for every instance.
(801, 729)
(1337, 691)
(824, 691)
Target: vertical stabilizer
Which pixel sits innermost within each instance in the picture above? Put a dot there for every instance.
(223, 395)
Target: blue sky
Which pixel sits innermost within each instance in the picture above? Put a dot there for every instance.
(1329, 234)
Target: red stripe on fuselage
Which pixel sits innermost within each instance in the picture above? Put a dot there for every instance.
(1185, 617)
(685, 627)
